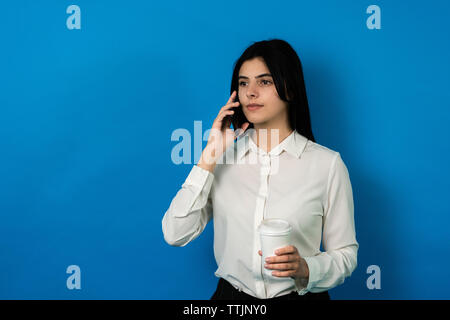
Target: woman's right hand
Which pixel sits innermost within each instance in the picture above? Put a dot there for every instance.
(221, 135)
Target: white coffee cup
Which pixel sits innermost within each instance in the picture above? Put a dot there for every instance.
(274, 234)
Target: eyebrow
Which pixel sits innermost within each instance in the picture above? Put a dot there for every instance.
(260, 76)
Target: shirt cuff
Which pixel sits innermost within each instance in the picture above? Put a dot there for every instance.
(314, 274)
(199, 177)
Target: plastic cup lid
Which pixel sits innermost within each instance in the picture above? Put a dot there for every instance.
(273, 227)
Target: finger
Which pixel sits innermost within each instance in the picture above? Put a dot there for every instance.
(260, 253)
(285, 250)
(281, 266)
(239, 131)
(245, 126)
(280, 274)
(232, 96)
(230, 105)
(225, 113)
(283, 258)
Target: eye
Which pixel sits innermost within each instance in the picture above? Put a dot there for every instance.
(240, 83)
(266, 81)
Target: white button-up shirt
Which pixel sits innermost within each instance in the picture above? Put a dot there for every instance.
(299, 181)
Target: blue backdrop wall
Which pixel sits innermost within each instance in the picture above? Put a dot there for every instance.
(86, 118)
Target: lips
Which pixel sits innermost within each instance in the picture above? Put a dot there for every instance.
(254, 106)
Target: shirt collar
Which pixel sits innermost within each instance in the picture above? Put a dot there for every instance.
(293, 144)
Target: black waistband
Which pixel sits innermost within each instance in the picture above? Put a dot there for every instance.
(226, 291)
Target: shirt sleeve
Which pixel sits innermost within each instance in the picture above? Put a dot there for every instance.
(190, 209)
(329, 269)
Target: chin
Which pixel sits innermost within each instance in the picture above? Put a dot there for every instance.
(254, 117)
(256, 120)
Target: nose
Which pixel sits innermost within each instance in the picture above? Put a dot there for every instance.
(252, 90)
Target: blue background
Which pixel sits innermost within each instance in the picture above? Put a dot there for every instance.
(86, 118)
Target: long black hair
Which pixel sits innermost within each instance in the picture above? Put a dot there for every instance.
(287, 73)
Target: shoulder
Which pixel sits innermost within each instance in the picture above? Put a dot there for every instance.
(323, 162)
(318, 152)
(326, 160)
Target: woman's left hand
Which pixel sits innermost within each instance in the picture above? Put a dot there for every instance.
(287, 263)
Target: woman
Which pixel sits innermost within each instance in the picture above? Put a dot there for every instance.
(293, 178)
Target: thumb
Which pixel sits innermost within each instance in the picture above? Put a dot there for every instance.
(241, 130)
